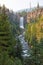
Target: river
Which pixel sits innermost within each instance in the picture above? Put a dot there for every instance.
(25, 47)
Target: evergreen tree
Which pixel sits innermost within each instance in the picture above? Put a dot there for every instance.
(34, 36)
(5, 39)
(5, 31)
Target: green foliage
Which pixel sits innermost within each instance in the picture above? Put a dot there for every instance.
(17, 61)
(23, 13)
(5, 59)
(18, 50)
(28, 32)
(8, 41)
(34, 36)
(5, 31)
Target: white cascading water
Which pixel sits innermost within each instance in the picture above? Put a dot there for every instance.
(21, 22)
(25, 47)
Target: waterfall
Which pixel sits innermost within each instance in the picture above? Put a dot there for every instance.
(25, 47)
(21, 22)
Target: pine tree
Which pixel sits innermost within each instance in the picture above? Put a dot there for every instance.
(5, 30)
